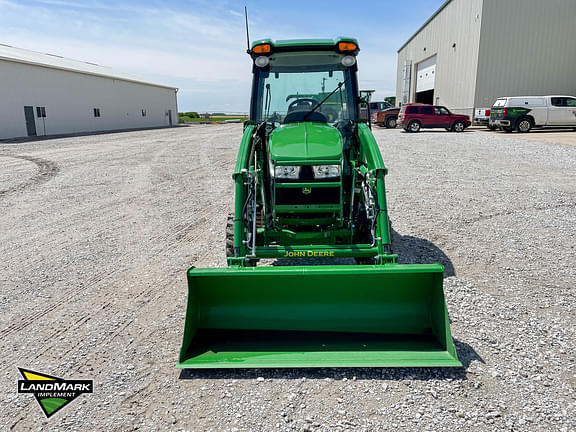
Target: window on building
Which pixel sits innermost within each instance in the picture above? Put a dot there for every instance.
(143, 113)
(40, 112)
(96, 112)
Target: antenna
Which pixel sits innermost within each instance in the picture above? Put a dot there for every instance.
(247, 33)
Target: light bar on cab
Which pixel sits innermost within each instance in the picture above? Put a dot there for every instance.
(262, 49)
(347, 46)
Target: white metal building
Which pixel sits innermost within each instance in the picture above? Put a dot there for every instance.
(44, 94)
(470, 52)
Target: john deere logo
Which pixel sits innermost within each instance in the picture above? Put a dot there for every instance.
(52, 393)
(306, 190)
(574, 112)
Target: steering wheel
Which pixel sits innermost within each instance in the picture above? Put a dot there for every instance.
(302, 104)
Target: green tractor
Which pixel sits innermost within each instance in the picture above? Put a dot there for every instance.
(309, 183)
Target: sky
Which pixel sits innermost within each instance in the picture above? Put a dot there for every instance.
(199, 46)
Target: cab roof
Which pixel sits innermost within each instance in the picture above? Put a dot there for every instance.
(305, 44)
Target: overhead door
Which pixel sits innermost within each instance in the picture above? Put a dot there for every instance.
(425, 77)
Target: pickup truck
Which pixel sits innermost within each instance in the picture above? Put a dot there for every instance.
(387, 118)
(482, 117)
(522, 113)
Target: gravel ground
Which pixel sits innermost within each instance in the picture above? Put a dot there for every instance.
(97, 232)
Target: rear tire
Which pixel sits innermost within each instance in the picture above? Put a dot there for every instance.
(458, 126)
(414, 126)
(391, 123)
(524, 125)
(230, 236)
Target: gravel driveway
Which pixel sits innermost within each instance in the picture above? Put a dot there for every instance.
(96, 233)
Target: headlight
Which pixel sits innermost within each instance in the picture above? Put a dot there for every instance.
(324, 171)
(287, 172)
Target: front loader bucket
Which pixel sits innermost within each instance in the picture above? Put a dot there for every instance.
(317, 316)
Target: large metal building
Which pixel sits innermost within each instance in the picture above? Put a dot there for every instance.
(470, 52)
(44, 94)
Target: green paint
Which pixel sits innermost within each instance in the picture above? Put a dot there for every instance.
(306, 141)
(391, 315)
(511, 113)
(303, 43)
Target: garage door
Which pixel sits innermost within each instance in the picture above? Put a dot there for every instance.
(425, 75)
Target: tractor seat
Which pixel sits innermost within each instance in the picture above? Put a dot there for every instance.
(298, 116)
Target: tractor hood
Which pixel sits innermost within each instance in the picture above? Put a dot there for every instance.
(305, 141)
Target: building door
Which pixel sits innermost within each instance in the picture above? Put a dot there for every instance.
(170, 117)
(30, 120)
(425, 79)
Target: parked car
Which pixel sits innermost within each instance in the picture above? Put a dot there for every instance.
(482, 117)
(413, 117)
(378, 106)
(387, 118)
(374, 107)
(522, 113)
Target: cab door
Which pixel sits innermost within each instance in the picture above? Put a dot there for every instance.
(427, 117)
(562, 111)
(443, 117)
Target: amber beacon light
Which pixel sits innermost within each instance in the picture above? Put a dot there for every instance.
(262, 49)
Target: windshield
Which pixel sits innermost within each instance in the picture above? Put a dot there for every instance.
(299, 82)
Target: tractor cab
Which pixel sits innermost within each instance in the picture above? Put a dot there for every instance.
(305, 80)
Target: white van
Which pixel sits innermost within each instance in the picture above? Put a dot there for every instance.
(523, 113)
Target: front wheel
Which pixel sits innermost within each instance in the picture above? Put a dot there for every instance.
(414, 126)
(458, 126)
(524, 125)
(391, 123)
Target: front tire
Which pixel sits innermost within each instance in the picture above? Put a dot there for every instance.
(524, 125)
(391, 123)
(458, 126)
(414, 126)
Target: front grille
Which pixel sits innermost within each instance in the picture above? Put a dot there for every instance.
(296, 196)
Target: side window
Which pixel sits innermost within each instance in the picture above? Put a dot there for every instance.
(412, 110)
(559, 102)
(571, 102)
(427, 110)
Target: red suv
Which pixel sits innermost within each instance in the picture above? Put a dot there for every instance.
(412, 117)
